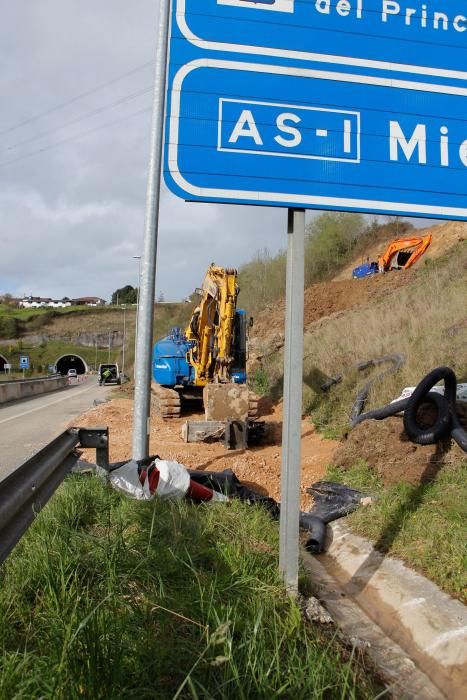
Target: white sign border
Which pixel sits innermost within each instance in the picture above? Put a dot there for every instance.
(282, 154)
(280, 199)
(308, 56)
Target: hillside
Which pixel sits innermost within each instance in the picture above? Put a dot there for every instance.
(420, 312)
(445, 236)
(94, 334)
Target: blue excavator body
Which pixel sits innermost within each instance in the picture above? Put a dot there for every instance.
(171, 369)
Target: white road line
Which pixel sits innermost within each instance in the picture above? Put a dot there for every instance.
(51, 403)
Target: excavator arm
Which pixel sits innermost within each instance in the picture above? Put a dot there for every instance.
(413, 247)
(211, 327)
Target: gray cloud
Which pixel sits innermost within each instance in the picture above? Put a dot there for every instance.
(72, 216)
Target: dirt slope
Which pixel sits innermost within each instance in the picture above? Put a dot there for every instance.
(444, 237)
(322, 300)
(385, 447)
(325, 299)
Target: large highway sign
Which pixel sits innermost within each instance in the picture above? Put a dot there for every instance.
(300, 132)
(394, 35)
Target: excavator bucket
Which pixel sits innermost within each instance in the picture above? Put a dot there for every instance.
(223, 401)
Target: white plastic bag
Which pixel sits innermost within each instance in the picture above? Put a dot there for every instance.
(126, 479)
(174, 480)
(461, 393)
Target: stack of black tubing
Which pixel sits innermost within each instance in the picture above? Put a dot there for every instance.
(447, 423)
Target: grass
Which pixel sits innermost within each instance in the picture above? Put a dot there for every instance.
(425, 525)
(106, 597)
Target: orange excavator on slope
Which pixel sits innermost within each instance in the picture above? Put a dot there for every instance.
(399, 255)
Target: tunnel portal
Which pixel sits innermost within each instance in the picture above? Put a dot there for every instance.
(66, 362)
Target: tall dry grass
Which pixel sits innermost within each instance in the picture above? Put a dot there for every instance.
(426, 321)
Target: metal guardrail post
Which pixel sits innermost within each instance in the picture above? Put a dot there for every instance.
(25, 491)
(97, 438)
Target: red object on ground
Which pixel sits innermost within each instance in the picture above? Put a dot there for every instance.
(153, 478)
(198, 492)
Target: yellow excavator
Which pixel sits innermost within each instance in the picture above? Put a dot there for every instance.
(212, 351)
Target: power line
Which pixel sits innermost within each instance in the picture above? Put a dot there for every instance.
(73, 138)
(80, 96)
(86, 115)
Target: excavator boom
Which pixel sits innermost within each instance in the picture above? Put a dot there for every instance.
(211, 327)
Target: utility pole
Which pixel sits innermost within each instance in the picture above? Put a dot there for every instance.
(144, 339)
(124, 339)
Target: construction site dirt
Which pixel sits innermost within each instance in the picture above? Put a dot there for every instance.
(382, 444)
(385, 447)
(258, 467)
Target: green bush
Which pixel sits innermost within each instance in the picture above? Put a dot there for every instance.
(8, 326)
(261, 384)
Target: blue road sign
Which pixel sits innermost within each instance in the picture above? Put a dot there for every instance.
(297, 134)
(427, 38)
(24, 361)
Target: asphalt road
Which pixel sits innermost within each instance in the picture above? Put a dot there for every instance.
(26, 426)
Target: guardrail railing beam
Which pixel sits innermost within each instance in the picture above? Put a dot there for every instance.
(25, 491)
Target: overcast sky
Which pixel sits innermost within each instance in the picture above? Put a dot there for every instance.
(72, 205)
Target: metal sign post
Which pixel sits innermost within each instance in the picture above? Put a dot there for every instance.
(293, 373)
(144, 339)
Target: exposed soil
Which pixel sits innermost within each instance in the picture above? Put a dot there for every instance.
(259, 466)
(323, 300)
(387, 449)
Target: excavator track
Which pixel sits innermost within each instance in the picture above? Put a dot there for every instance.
(166, 402)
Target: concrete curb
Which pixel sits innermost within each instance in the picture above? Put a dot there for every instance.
(429, 625)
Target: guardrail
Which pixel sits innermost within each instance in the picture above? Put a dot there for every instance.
(26, 490)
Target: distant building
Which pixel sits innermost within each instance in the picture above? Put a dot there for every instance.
(31, 302)
(88, 301)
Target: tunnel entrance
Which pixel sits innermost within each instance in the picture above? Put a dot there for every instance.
(3, 362)
(66, 362)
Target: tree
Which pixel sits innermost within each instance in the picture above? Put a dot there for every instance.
(7, 299)
(125, 295)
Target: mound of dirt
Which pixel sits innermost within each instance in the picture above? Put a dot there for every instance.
(385, 447)
(445, 236)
